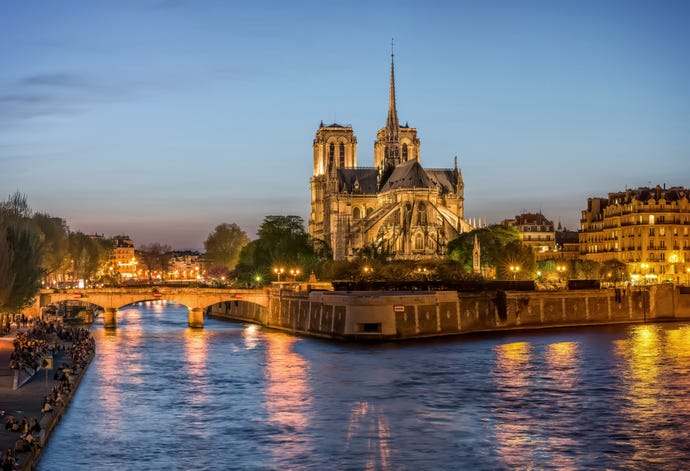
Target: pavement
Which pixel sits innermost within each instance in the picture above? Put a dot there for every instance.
(25, 401)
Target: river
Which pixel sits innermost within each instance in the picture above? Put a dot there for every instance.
(159, 395)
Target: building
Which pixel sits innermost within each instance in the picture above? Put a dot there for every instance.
(185, 265)
(123, 261)
(535, 231)
(567, 244)
(395, 207)
(647, 229)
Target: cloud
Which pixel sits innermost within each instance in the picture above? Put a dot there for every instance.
(56, 80)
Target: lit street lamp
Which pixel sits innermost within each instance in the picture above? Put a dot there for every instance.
(514, 269)
(294, 273)
(279, 271)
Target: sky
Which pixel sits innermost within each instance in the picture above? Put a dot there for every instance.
(161, 119)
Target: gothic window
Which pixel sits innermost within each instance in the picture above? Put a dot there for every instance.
(421, 215)
(404, 153)
(418, 242)
(331, 156)
(342, 155)
(369, 211)
(356, 214)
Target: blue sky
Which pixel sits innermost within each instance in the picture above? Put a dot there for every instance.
(162, 119)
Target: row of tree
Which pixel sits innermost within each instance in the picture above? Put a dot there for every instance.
(36, 246)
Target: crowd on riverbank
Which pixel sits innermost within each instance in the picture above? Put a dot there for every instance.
(73, 347)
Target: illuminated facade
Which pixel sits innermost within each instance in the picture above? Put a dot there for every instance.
(122, 259)
(535, 231)
(396, 207)
(648, 229)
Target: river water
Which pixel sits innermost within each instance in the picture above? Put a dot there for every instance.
(159, 395)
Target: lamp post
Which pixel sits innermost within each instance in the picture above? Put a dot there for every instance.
(644, 267)
(561, 271)
(294, 273)
(514, 269)
(279, 271)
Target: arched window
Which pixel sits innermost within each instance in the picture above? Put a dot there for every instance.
(331, 156)
(421, 215)
(342, 155)
(404, 153)
(371, 210)
(356, 214)
(418, 242)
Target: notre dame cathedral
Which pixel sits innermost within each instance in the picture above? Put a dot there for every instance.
(396, 207)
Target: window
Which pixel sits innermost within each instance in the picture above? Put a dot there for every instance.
(651, 231)
(418, 242)
(331, 156)
(421, 215)
(356, 214)
(342, 155)
(404, 152)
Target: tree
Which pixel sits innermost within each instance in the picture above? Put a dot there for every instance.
(224, 244)
(55, 239)
(282, 241)
(501, 248)
(155, 256)
(21, 251)
(88, 254)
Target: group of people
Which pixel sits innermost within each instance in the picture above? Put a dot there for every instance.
(29, 434)
(30, 347)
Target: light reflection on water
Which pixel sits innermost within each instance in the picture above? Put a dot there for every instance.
(231, 396)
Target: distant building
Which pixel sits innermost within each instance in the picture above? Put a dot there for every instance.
(122, 258)
(396, 206)
(647, 229)
(185, 265)
(535, 231)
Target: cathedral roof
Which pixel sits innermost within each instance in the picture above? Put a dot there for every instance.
(409, 174)
(445, 179)
(358, 180)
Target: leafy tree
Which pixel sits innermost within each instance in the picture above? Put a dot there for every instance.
(55, 239)
(21, 251)
(88, 254)
(282, 241)
(501, 248)
(613, 271)
(224, 244)
(586, 270)
(155, 256)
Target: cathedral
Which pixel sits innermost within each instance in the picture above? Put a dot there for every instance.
(396, 207)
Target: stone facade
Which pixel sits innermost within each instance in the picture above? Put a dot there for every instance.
(648, 229)
(395, 207)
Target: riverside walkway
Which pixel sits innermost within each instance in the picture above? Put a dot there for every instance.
(27, 400)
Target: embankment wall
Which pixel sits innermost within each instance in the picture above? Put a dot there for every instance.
(405, 315)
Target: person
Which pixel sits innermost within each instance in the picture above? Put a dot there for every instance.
(8, 461)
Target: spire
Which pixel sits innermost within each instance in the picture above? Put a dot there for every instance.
(392, 121)
(392, 124)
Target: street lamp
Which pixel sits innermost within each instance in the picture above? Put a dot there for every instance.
(514, 269)
(644, 267)
(561, 271)
(294, 273)
(279, 271)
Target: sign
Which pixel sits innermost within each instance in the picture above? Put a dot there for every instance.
(47, 363)
(238, 296)
(398, 308)
(157, 295)
(77, 295)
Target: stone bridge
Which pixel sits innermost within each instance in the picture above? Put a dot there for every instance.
(196, 299)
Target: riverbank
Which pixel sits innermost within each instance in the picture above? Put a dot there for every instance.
(27, 401)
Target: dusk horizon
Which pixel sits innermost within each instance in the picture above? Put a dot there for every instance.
(164, 119)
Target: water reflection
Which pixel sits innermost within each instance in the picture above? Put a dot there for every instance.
(368, 424)
(195, 367)
(511, 376)
(287, 397)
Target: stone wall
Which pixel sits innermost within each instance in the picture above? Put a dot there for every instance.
(402, 315)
